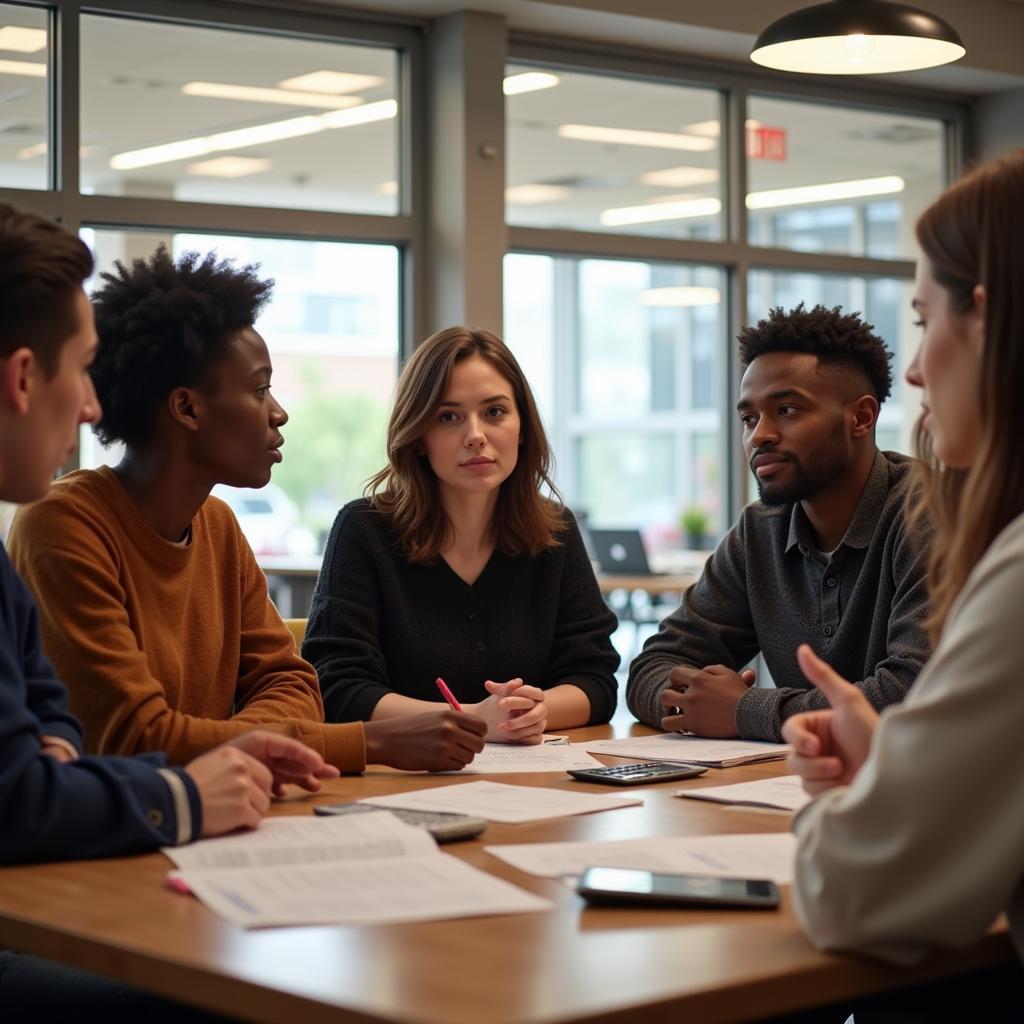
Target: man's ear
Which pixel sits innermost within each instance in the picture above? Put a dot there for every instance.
(865, 415)
(19, 375)
(183, 404)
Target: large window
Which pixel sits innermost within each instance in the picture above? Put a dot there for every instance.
(883, 302)
(332, 331)
(25, 145)
(625, 360)
(175, 112)
(828, 179)
(280, 138)
(629, 337)
(598, 153)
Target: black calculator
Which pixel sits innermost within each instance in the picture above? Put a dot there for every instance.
(638, 774)
(443, 826)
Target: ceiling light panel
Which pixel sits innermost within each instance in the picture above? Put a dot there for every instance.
(18, 39)
(256, 94)
(635, 137)
(230, 167)
(827, 192)
(334, 82)
(649, 213)
(22, 67)
(529, 81)
(680, 177)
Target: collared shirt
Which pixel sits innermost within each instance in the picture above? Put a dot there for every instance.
(768, 589)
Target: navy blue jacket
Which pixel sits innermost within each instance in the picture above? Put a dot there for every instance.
(92, 807)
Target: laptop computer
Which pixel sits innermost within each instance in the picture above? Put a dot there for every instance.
(620, 552)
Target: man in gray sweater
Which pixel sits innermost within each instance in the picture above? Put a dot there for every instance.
(823, 557)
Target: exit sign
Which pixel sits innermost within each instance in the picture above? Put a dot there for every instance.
(765, 143)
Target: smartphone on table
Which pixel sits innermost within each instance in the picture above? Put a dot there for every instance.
(621, 886)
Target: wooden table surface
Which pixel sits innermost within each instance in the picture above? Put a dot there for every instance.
(117, 918)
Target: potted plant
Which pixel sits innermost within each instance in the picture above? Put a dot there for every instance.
(694, 522)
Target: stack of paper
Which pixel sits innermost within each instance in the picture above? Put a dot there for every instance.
(677, 746)
(785, 792)
(353, 869)
(503, 758)
(498, 802)
(727, 856)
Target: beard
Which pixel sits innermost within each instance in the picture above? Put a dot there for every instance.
(806, 478)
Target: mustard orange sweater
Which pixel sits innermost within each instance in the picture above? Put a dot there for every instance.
(164, 646)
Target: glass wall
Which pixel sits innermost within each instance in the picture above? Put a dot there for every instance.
(839, 180)
(630, 343)
(600, 153)
(625, 360)
(883, 302)
(176, 112)
(25, 130)
(332, 331)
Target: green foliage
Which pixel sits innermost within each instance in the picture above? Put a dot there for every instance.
(333, 443)
(695, 521)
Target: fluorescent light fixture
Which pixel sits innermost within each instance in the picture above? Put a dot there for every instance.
(30, 152)
(335, 82)
(22, 67)
(230, 167)
(687, 295)
(383, 110)
(681, 209)
(857, 37)
(712, 129)
(256, 135)
(254, 94)
(634, 137)
(680, 177)
(824, 193)
(529, 81)
(22, 40)
(386, 188)
(530, 195)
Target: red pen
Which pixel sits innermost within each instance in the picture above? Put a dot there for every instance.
(447, 694)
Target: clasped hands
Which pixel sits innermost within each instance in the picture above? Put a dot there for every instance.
(703, 700)
(514, 712)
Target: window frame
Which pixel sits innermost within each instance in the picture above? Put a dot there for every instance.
(733, 253)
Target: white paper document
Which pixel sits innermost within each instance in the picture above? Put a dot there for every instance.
(501, 758)
(725, 856)
(496, 801)
(785, 792)
(307, 840)
(675, 746)
(354, 869)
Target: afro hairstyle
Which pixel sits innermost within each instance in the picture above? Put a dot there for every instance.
(162, 324)
(836, 338)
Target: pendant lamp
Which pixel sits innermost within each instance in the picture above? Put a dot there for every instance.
(857, 37)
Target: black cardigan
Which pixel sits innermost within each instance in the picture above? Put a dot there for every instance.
(379, 624)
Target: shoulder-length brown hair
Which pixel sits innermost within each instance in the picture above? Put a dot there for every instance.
(972, 235)
(406, 490)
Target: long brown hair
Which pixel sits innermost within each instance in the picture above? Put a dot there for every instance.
(406, 490)
(972, 235)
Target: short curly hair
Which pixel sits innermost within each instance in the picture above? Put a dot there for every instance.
(161, 326)
(836, 338)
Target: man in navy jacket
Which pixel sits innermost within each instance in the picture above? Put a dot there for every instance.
(56, 804)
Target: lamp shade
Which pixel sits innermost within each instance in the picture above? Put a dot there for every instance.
(857, 37)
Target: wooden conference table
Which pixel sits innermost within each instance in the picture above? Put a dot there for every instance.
(116, 918)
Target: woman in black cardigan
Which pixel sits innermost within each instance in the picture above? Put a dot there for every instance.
(456, 565)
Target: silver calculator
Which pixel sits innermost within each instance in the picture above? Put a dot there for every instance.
(443, 826)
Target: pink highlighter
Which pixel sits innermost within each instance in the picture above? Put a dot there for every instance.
(447, 694)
